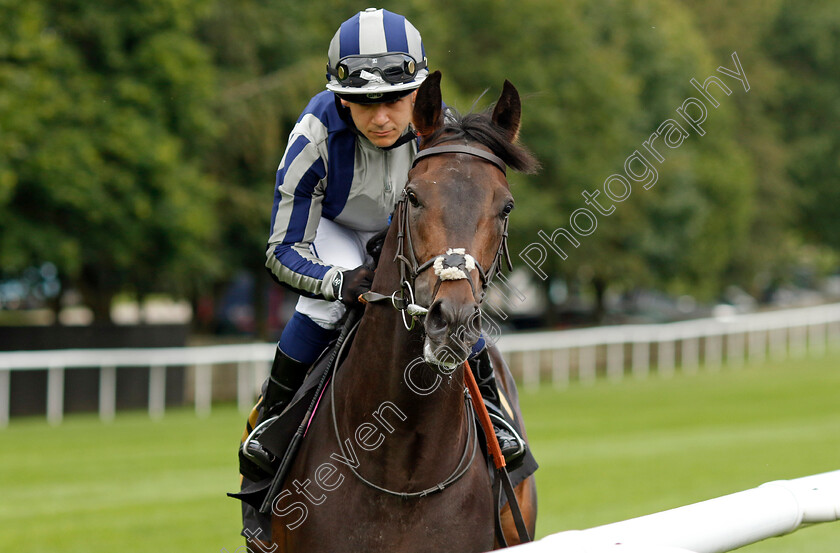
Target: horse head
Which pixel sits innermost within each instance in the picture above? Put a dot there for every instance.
(454, 214)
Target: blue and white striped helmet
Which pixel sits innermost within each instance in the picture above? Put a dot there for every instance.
(376, 56)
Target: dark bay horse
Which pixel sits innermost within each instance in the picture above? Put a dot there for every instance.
(389, 462)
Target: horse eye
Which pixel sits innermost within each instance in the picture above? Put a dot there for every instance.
(507, 209)
(412, 198)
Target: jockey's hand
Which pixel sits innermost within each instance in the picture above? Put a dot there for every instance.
(355, 282)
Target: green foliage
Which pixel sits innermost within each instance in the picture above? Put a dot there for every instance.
(138, 141)
(804, 41)
(596, 80)
(268, 69)
(105, 123)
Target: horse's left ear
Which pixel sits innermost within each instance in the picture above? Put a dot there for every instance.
(508, 111)
(428, 106)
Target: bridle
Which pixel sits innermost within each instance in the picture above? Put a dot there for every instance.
(454, 264)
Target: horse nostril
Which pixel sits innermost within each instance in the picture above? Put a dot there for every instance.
(436, 320)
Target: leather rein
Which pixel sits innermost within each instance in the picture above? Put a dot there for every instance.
(454, 264)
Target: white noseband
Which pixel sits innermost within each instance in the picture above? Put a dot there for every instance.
(449, 266)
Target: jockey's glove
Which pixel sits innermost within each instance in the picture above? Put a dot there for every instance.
(354, 283)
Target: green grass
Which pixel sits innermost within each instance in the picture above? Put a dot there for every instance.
(129, 486)
(607, 452)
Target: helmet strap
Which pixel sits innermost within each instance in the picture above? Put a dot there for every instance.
(407, 137)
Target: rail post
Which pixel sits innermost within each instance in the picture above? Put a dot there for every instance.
(55, 394)
(107, 393)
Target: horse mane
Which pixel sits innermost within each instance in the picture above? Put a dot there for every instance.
(374, 245)
(479, 127)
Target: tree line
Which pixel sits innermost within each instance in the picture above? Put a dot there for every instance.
(139, 140)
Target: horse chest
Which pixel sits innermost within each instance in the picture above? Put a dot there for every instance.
(361, 519)
(354, 517)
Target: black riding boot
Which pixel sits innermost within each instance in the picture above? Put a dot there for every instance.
(511, 444)
(256, 462)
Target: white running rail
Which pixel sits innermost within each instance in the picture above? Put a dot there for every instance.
(713, 526)
(614, 351)
(580, 354)
(251, 361)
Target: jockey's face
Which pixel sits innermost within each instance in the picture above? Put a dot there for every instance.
(382, 124)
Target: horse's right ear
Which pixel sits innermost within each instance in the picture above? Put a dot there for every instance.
(508, 111)
(428, 106)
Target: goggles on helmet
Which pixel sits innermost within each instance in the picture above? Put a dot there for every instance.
(392, 67)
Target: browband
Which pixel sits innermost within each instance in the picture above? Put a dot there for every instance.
(461, 149)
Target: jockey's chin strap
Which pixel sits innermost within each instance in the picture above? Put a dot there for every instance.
(454, 264)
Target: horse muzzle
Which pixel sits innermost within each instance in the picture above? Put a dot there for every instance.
(452, 329)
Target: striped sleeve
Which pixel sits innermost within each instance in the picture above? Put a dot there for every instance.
(298, 200)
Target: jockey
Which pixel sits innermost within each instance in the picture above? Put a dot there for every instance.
(339, 180)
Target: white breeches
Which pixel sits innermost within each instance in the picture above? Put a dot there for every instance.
(336, 245)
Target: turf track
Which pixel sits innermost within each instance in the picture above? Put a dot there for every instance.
(608, 452)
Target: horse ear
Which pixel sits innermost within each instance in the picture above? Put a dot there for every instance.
(428, 106)
(508, 111)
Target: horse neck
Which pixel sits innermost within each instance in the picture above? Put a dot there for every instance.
(374, 373)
